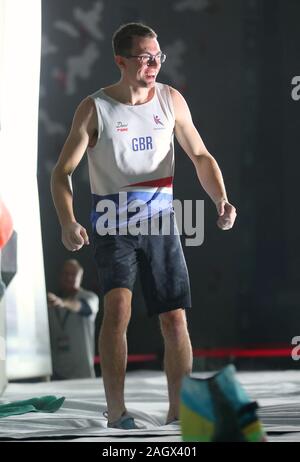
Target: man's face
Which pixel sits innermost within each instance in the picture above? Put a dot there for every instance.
(137, 72)
(70, 278)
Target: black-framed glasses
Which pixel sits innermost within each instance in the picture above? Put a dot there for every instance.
(148, 58)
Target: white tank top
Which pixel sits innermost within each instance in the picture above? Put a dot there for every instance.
(132, 163)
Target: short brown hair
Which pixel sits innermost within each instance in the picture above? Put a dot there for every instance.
(73, 262)
(122, 38)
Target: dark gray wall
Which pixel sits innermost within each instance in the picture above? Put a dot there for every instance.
(233, 61)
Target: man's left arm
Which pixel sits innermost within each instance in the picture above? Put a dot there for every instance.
(70, 304)
(208, 171)
(86, 304)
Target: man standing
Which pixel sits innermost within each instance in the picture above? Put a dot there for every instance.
(72, 312)
(128, 130)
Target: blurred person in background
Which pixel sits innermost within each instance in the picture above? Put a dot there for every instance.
(72, 313)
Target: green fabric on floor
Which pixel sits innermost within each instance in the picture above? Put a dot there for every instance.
(43, 404)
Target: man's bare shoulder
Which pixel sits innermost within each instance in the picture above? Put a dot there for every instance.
(86, 115)
(179, 103)
(175, 93)
(86, 108)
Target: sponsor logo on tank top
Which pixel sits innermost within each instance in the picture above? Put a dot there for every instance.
(158, 122)
(121, 127)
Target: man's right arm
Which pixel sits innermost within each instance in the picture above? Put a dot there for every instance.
(83, 129)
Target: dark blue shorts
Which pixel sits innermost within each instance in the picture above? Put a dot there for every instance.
(161, 263)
